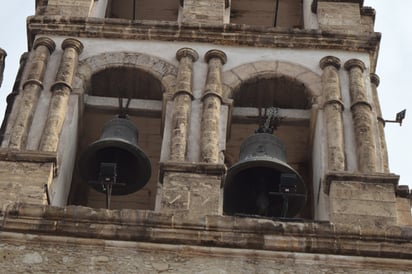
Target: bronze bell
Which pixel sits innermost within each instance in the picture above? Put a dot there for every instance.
(262, 183)
(116, 154)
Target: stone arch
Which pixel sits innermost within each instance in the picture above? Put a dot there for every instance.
(234, 79)
(294, 89)
(92, 119)
(159, 69)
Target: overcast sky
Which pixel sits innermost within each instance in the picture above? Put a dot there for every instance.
(394, 68)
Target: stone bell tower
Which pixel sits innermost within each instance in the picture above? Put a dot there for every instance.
(200, 136)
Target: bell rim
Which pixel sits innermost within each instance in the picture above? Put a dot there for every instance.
(135, 150)
(261, 161)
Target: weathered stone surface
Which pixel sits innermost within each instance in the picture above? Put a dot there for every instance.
(338, 16)
(42, 49)
(333, 112)
(182, 104)
(191, 195)
(24, 182)
(364, 125)
(218, 231)
(212, 100)
(64, 254)
(209, 12)
(403, 206)
(364, 204)
(382, 151)
(255, 36)
(61, 90)
(79, 8)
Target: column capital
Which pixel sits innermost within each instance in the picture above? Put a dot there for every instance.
(355, 63)
(73, 43)
(375, 79)
(330, 61)
(187, 52)
(215, 53)
(45, 41)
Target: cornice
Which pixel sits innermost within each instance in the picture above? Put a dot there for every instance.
(229, 34)
(214, 231)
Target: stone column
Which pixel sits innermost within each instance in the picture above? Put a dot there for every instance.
(3, 55)
(42, 49)
(182, 103)
(333, 107)
(212, 100)
(61, 90)
(12, 96)
(381, 123)
(362, 117)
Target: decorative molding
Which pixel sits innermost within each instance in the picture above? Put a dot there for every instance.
(355, 63)
(375, 79)
(376, 178)
(95, 226)
(315, 3)
(330, 61)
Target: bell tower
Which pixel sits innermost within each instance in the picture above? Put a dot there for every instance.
(194, 136)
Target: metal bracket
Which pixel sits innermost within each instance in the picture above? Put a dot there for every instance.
(399, 118)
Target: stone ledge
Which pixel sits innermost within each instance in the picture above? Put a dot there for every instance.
(34, 156)
(375, 178)
(214, 231)
(229, 34)
(188, 167)
(315, 3)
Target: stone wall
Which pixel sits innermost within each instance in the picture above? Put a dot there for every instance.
(78, 8)
(24, 182)
(38, 254)
(203, 11)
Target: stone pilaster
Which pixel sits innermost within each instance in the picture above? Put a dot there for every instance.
(182, 103)
(42, 49)
(362, 117)
(3, 55)
(212, 100)
(61, 90)
(381, 123)
(333, 107)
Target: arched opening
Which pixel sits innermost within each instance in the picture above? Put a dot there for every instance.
(253, 100)
(126, 82)
(145, 91)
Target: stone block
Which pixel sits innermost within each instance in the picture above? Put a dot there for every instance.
(193, 195)
(339, 16)
(203, 12)
(364, 204)
(291, 70)
(244, 72)
(403, 206)
(78, 8)
(24, 182)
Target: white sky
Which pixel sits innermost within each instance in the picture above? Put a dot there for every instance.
(394, 68)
